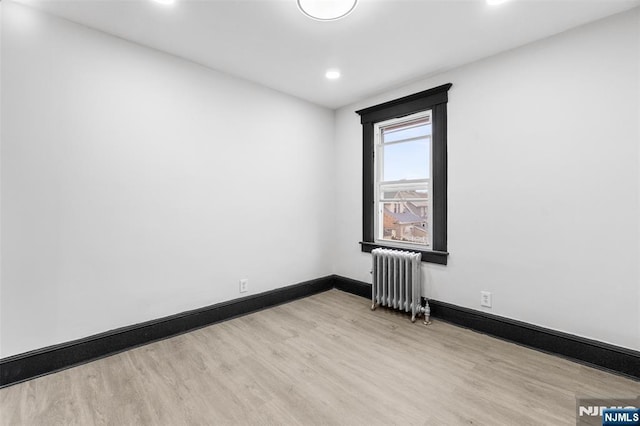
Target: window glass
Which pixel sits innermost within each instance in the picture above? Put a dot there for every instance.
(407, 160)
(405, 222)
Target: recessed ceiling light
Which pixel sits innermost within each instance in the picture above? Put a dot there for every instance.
(496, 2)
(165, 2)
(327, 10)
(332, 74)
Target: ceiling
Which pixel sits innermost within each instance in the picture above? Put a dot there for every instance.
(382, 44)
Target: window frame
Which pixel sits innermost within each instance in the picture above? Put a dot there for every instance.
(434, 99)
(379, 184)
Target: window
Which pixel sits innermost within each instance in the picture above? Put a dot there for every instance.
(404, 199)
(402, 171)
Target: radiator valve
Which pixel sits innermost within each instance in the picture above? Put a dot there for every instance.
(427, 313)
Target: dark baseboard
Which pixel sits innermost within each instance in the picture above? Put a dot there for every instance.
(29, 365)
(356, 287)
(592, 352)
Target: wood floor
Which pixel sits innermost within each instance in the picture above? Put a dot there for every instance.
(326, 359)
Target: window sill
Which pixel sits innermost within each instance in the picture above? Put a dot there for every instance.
(430, 256)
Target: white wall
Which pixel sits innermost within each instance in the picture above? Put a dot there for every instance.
(544, 183)
(638, 121)
(1, 102)
(137, 185)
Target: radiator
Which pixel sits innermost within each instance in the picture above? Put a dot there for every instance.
(396, 282)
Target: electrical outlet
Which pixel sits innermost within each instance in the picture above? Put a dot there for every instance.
(485, 299)
(244, 285)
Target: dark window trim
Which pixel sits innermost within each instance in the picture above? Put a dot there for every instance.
(435, 99)
(430, 256)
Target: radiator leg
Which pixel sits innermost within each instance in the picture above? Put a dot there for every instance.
(413, 317)
(374, 306)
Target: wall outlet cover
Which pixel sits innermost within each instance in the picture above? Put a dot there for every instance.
(485, 299)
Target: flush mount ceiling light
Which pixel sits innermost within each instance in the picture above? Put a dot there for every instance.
(496, 2)
(332, 74)
(327, 10)
(165, 2)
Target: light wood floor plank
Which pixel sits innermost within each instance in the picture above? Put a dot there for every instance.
(326, 359)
